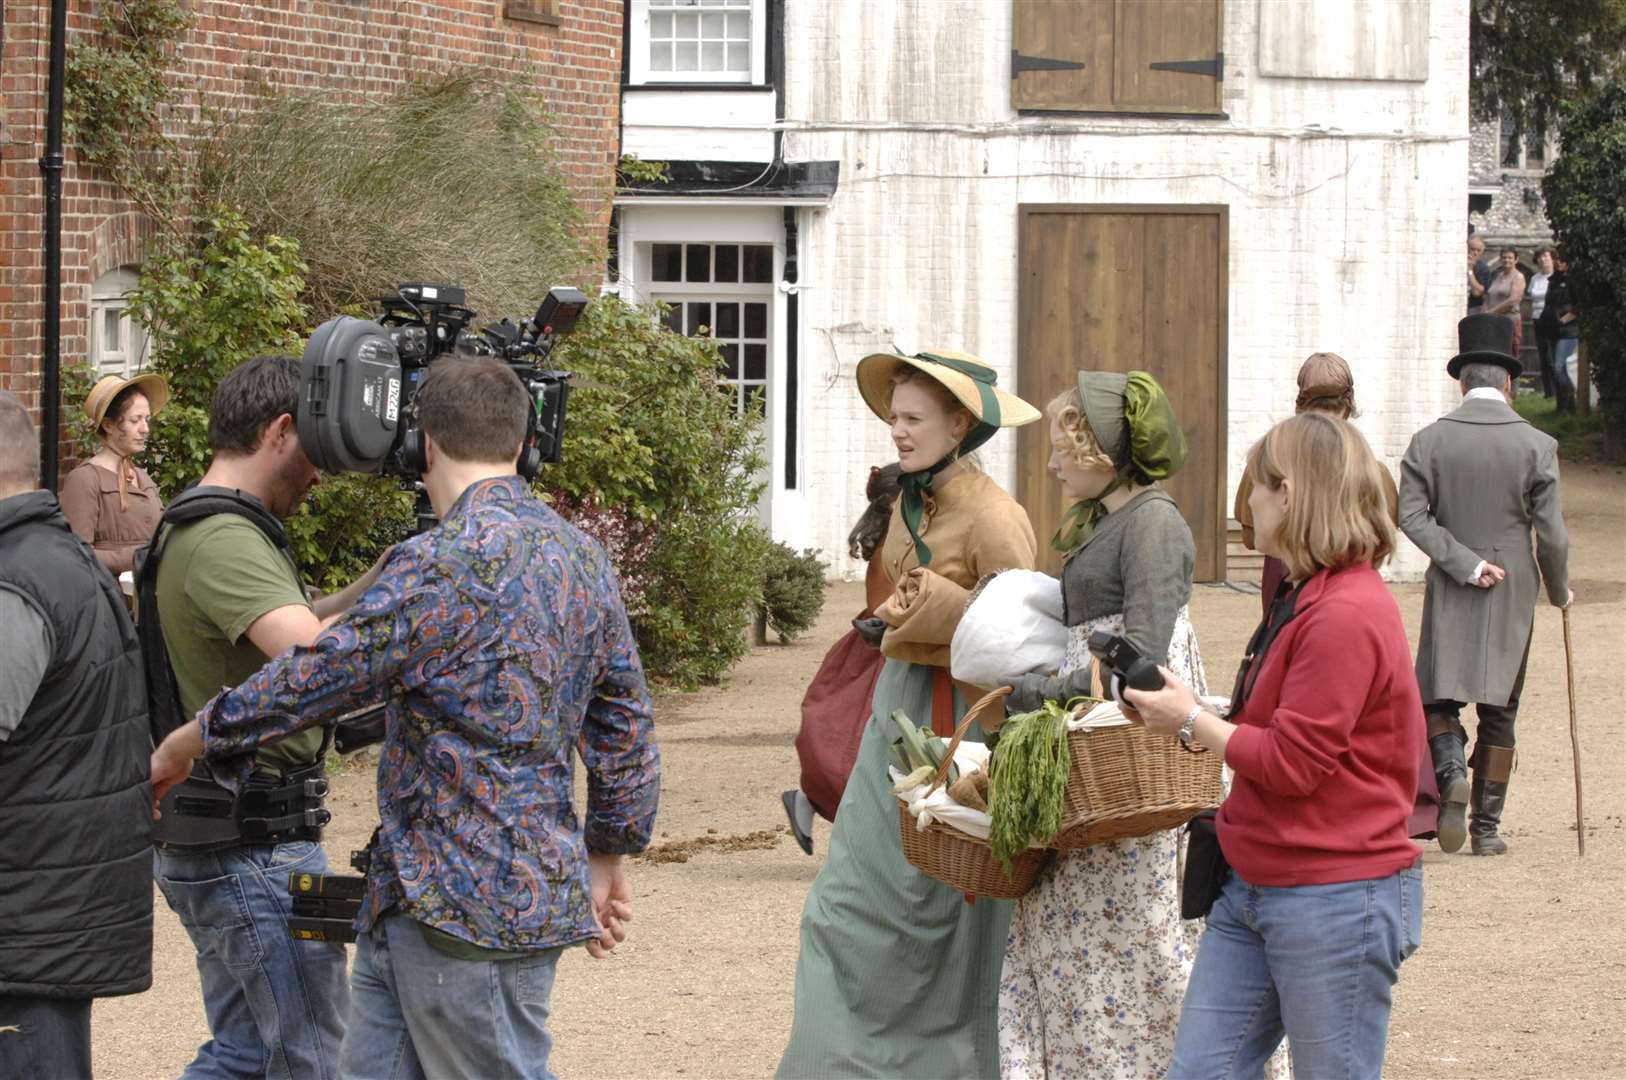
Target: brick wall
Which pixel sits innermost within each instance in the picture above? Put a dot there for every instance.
(360, 46)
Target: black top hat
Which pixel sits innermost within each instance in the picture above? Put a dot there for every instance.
(1485, 339)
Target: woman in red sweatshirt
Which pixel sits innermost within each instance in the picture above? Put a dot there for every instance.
(1325, 896)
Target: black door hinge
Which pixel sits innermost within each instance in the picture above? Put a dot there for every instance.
(1020, 63)
(1214, 69)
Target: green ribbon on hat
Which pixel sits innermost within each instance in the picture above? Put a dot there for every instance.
(1146, 442)
(917, 485)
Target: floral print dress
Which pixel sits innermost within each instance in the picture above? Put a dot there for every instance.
(1098, 957)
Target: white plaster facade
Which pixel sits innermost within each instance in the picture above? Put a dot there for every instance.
(1345, 201)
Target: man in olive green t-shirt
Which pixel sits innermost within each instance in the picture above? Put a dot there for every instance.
(229, 598)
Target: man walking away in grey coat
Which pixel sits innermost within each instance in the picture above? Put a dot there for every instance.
(75, 807)
(1473, 485)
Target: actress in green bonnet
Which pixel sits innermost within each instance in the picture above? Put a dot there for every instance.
(1098, 957)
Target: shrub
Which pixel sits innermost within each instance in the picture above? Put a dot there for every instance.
(377, 191)
(649, 435)
(792, 590)
(1585, 191)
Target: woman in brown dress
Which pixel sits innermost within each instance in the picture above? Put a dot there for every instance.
(111, 503)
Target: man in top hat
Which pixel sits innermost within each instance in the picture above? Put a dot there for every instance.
(1473, 485)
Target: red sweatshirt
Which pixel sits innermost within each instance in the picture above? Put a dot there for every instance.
(1328, 743)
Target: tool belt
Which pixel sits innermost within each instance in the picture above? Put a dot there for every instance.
(273, 808)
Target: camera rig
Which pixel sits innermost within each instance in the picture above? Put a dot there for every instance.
(360, 379)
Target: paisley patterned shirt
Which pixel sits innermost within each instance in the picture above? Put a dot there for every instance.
(502, 646)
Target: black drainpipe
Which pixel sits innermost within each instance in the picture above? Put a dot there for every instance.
(51, 167)
(792, 306)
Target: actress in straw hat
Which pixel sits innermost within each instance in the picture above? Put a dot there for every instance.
(110, 501)
(898, 975)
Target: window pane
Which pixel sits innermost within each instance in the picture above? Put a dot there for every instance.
(756, 361)
(758, 400)
(674, 318)
(699, 316)
(728, 320)
(1535, 153)
(1510, 141)
(111, 318)
(687, 26)
(739, 27)
(660, 26)
(666, 262)
(727, 263)
(686, 56)
(731, 362)
(758, 263)
(712, 25)
(711, 56)
(739, 58)
(660, 56)
(756, 320)
(697, 260)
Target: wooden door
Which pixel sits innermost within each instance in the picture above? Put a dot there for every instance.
(1125, 288)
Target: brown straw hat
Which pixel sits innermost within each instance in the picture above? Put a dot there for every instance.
(109, 387)
(964, 375)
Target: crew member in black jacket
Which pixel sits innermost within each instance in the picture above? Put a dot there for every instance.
(75, 806)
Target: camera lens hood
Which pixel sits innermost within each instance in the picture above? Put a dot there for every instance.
(350, 396)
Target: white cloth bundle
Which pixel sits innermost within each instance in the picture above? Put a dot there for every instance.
(1012, 627)
(970, 757)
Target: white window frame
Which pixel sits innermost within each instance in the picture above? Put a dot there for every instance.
(110, 293)
(729, 292)
(639, 73)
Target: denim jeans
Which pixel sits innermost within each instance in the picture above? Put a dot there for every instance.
(416, 1012)
(45, 1037)
(1316, 963)
(275, 1005)
(1564, 362)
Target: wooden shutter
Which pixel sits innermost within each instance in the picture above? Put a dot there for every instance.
(1061, 55)
(1116, 55)
(1167, 56)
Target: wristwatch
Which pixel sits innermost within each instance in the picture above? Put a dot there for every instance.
(1186, 733)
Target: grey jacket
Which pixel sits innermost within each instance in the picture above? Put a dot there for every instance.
(1473, 486)
(1138, 561)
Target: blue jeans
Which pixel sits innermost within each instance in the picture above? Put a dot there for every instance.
(416, 1012)
(1314, 962)
(45, 1037)
(1564, 350)
(275, 1005)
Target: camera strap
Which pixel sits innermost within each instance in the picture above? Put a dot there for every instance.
(1282, 611)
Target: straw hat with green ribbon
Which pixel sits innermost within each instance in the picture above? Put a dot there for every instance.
(972, 382)
(1130, 416)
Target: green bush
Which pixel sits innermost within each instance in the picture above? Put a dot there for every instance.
(792, 590)
(673, 476)
(1585, 192)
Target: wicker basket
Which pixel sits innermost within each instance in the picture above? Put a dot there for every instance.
(963, 862)
(1126, 782)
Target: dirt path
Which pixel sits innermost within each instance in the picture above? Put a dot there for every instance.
(1522, 971)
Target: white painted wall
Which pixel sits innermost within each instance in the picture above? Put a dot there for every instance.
(1347, 203)
(689, 125)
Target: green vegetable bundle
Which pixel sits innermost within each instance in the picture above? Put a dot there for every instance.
(917, 748)
(1027, 781)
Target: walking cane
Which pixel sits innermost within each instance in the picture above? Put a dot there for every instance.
(1575, 734)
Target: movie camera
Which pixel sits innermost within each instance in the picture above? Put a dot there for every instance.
(359, 378)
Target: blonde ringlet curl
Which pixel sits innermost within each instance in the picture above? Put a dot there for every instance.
(1337, 511)
(1067, 409)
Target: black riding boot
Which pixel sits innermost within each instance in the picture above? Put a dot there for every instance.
(1451, 770)
(1493, 765)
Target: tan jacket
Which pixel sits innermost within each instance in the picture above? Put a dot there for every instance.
(973, 529)
(90, 499)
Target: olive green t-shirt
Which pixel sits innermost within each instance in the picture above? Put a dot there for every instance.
(216, 578)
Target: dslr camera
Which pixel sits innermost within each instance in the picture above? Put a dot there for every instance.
(359, 378)
(1129, 668)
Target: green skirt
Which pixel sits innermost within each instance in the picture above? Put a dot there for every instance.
(898, 976)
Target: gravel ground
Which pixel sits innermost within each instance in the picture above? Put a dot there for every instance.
(1522, 972)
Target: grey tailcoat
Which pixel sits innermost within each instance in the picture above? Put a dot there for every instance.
(1473, 485)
